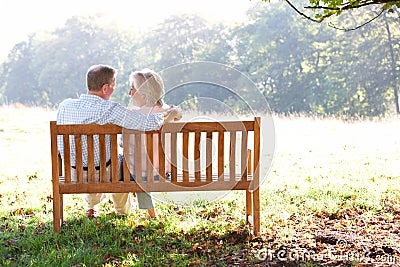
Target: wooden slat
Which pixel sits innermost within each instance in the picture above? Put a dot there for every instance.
(138, 157)
(185, 158)
(149, 158)
(256, 147)
(55, 177)
(114, 158)
(90, 149)
(244, 156)
(197, 165)
(161, 156)
(209, 156)
(88, 129)
(208, 126)
(249, 162)
(169, 127)
(153, 187)
(256, 177)
(127, 147)
(174, 157)
(249, 194)
(232, 156)
(103, 158)
(249, 205)
(61, 208)
(78, 157)
(67, 158)
(221, 158)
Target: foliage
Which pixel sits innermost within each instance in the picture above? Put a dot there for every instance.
(323, 9)
(298, 66)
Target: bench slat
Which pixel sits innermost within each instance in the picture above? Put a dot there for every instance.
(114, 158)
(149, 158)
(161, 154)
(221, 158)
(209, 126)
(196, 153)
(120, 187)
(243, 156)
(174, 157)
(209, 155)
(138, 157)
(103, 157)
(90, 149)
(185, 156)
(127, 156)
(80, 129)
(232, 154)
(67, 158)
(78, 154)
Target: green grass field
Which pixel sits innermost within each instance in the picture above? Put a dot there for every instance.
(331, 197)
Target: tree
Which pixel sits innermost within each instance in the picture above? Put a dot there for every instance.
(298, 65)
(393, 66)
(62, 60)
(284, 56)
(323, 9)
(184, 39)
(180, 39)
(19, 85)
(48, 69)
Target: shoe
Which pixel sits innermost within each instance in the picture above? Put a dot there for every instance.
(91, 213)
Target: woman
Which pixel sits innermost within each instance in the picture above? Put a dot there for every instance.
(147, 92)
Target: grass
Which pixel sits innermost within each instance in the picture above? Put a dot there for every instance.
(324, 170)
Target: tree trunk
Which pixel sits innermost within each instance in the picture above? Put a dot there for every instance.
(396, 95)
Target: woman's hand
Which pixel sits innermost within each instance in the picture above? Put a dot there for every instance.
(173, 113)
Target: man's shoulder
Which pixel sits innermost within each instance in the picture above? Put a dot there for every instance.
(73, 101)
(68, 101)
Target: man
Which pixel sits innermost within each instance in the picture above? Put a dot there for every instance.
(95, 107)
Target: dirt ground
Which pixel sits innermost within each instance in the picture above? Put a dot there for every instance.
(350, 238)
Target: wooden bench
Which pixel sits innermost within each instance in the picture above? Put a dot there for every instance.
(205, 156)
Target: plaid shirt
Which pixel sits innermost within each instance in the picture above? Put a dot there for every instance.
(94, 109)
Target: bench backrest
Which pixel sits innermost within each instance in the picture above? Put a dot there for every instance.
(203, 156)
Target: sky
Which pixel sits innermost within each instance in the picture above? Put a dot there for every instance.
(23, 17)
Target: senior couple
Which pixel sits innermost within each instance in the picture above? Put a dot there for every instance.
(147, 111)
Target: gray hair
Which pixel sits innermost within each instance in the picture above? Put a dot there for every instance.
(152, 88)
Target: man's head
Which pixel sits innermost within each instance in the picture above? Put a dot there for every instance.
(100, 80)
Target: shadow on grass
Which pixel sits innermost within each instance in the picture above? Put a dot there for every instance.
(122, 241)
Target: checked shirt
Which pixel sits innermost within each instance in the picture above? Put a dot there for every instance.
(90, 109)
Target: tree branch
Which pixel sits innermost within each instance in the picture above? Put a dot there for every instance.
(301, 13)
(359, 26)
(348, 5)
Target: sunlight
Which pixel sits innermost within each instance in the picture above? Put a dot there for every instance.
(27, 17)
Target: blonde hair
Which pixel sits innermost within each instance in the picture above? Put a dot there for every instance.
(152, 87)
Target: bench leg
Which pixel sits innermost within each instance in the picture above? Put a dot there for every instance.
(249, 207)
(56, 212)
(256, 211)
(61, 209)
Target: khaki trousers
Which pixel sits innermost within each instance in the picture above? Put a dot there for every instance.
(122, 201)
